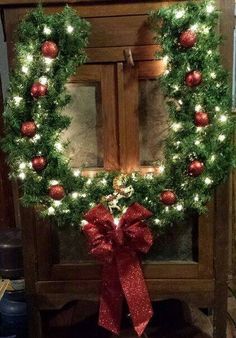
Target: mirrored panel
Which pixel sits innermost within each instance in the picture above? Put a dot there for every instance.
(153, 127)
(85, 134)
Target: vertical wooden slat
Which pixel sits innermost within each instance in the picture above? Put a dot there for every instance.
(111, 155)
(128, 117)
(7, 217)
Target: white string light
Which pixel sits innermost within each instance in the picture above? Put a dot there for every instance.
(69, 29)
(43, 80)
(161, 169)
(194, 27)
(25, 69)
(223, 118)
(212, 158)
(77, 173)
(89, 181)
(179, 14)
(57, 203)
(210, 8)
(221, 137)
(53, 182)
(217, 109)
(157, 221)
(104, 181)
(197, 142)
(29, 57)
(47, 30)
(208, 181)
(179, 207)
(22, 176)
(75, 195)
(176, 126)
(58, 146)
(51, 211)
(196, 198)
(213, 75)
(17, 100)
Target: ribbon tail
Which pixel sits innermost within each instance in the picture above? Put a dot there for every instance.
(134, 288)
(111, 299)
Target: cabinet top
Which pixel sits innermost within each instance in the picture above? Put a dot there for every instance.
(48, 2)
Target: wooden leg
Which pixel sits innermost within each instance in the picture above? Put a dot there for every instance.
(34, 321)
(221, 261)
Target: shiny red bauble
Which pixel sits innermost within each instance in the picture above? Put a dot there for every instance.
(201, 119)
(168, 197)
(38, 89)
(195, 168)
(188, 39)
(49, 49)
(28, 129)
(39, 163)
(193, 78)
(56, 192)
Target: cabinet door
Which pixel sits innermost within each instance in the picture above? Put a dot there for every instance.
(180, 253)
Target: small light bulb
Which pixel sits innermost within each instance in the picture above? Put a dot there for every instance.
(83, 223)
(176, 88)
(180, 102)
(196, 198)
(25, 69)
(57, 203)
(209, 52)
(29, 57)
(36, 138)
(210, 8)
(48, 61)
(161, 169)
(104, 181)
(194, 27)
(116, 221)
(198, 108)
(167, 209)
(74, 195)
(51, 211)
(205, 30)
(58, 146)
(213, 75)
(179, 207)
(149, 176)
(167, 71)
(166, 59)
(175, 157)
(157, 221)
(221, 138)
(17, 100)
(22, 176)
(77, 173)
(89, 181)
(179, 14)
(43, 80)
(69, 29)
(47, 30)
(197, 142)
(217, 109)
(223, 118)
(176, 126)
(53, 182)
(208, 181)
(22, 166)
(212, 158)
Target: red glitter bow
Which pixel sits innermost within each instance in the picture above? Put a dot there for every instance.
(117, 247)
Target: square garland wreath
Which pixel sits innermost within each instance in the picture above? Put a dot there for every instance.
(198, 150)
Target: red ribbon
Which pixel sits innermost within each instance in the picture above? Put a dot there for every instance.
(117, 247)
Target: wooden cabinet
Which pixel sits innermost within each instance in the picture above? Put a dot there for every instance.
(56, 265)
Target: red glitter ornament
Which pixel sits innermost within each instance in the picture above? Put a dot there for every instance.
(188, 39)
(168, 197)
(193, 78)
(39, 163)
(49, 49)
(28, 128)
(195, 168)
(201, 119)
(38, 89)
(56, 192)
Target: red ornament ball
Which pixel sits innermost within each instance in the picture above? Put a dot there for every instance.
(201, 119)
(56, 192)
(188, 39)
(193, 78)
(49, 49)
(195, 168)
(39, 163)
(168, 197)
(38, 89)
(28, 129)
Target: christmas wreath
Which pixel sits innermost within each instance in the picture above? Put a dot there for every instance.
(198, 151)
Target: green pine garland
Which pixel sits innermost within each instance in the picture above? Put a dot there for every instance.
(186, 142)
